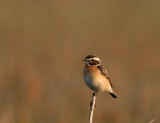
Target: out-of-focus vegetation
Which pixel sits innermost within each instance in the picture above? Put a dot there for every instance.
(41, 47)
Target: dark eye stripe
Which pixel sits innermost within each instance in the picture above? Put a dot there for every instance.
(94, 62)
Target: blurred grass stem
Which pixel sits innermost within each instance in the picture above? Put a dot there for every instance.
(153, 120)
(92, 104)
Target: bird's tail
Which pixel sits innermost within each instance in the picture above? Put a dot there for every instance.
(113, 95)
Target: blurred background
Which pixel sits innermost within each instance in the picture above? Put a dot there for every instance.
(41, 47)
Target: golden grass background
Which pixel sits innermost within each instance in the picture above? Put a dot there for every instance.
(41, 47)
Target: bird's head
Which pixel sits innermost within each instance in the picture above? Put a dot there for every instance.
(92, 60)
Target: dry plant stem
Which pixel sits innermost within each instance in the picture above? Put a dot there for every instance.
(92, 104)
(152, 120)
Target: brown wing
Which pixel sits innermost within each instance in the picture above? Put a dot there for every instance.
(105, 73)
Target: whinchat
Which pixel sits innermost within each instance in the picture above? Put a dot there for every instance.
(96, 77)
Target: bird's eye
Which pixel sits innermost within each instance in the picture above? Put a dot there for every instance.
(92, 60)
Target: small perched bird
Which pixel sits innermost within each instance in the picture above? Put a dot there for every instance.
(96, 77)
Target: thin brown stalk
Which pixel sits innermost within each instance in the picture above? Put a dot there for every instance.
(92, 104)
(152, 120)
